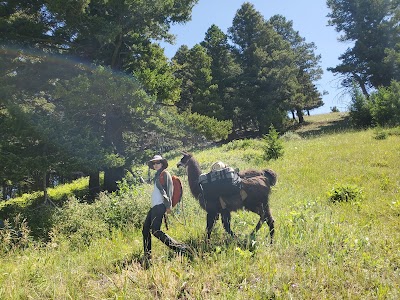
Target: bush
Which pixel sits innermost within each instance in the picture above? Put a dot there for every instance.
(359, 110)
(123, 209)
(385, 105)
(241, 144)
(14, 234)
(380, 134)
(37, 215)
(345, 193)
(210, 127)
(395, 131)
(78, 223)
(382, 108)
(81, 223)
(273, 148)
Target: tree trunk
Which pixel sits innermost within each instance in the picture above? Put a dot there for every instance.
(300, 116)
(111, 176)
(94, 186)
(362, 85)
(4, 191)
(114, 140)
(45, 194)
(116, 52)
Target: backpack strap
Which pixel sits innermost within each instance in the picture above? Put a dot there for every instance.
(164, 188)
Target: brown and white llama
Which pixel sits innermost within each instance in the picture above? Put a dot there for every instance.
(254, 196)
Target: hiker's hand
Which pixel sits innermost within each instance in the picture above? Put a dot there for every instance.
(168, 211)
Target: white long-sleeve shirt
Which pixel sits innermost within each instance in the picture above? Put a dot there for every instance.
(156, 197)
(162, 196)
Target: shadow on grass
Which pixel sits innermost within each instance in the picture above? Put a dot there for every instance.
(202, 247)
(199, 247)
(133, 258)
(308, 129)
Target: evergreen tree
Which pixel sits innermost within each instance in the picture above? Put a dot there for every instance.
(223, 71)
(373, 28)
(194, 70)
(183, 72)
(305, 96)
(268, 70)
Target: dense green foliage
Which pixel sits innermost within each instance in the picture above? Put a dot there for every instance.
(373, 29)
(323, 250)
(273, 148)
(83, 86)
(382, 108)
(346, 193)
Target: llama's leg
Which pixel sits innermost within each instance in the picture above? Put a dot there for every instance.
(265, 216)
(226, 221)
(270, 222)
(211, 218)
(260, 222)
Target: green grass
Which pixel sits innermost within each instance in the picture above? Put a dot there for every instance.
(323, 250)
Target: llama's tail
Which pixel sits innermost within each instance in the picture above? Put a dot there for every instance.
(271, 176)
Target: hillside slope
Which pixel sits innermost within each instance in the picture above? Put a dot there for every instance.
(323, 250)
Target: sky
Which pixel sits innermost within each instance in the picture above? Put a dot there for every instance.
(309, 19)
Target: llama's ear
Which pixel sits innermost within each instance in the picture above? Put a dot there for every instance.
(184, 152)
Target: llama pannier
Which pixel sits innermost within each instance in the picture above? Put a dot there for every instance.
(224, 182)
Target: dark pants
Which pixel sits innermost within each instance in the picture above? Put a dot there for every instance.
(152, 224)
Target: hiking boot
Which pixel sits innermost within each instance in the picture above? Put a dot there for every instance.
(146, 262)
(187, 251)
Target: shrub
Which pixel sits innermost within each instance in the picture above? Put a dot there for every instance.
(273, 148)
(345, 193)
(382, 108)
(14, 234)
(123, 209)
(37, 215)
(395, 131)
(380, 134)
(359, 110)
(78, 223)
(210, 127)
(241, 144)
(385, 108)
(81, 223)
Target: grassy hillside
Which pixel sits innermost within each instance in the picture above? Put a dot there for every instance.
(323, 250)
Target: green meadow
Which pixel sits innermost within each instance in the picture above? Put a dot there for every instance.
(336, 207)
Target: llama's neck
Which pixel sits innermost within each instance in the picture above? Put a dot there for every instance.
(193, 170)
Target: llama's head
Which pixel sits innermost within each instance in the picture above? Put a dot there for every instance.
(184, 160)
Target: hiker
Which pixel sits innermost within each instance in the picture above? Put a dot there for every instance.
(160, 204)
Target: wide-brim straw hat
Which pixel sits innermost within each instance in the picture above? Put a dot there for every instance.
(157, 158)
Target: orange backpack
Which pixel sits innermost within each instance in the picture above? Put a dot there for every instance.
(178, 191)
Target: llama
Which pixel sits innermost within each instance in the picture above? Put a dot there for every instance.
(256, 187)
